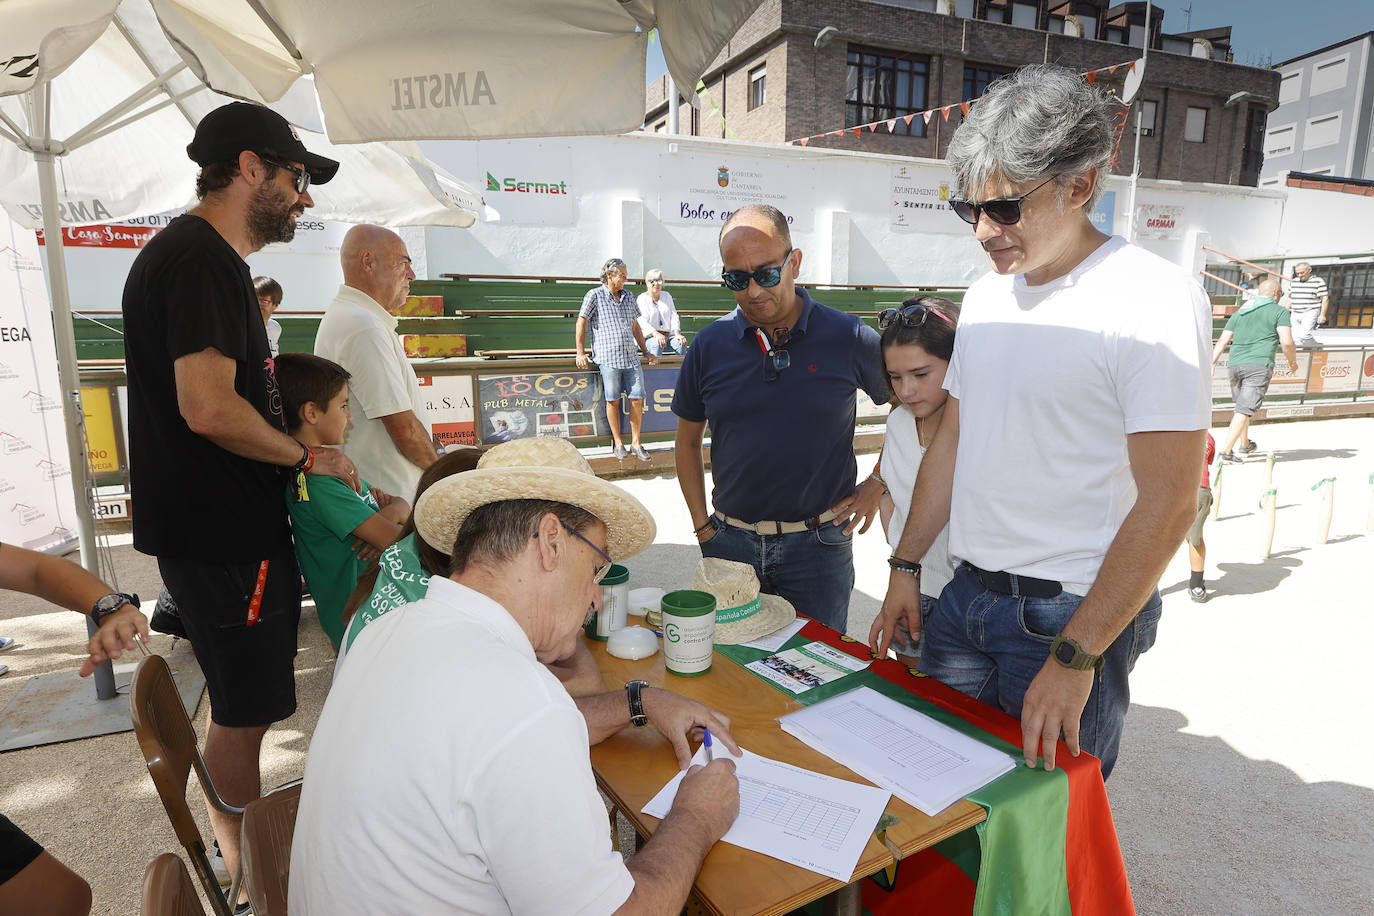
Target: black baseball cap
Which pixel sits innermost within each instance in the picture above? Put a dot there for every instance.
(238, 126)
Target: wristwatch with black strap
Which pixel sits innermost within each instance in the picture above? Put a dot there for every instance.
(110, 603)
(1067, 651)
(633, 692)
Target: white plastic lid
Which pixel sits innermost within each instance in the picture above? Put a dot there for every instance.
(632, 643)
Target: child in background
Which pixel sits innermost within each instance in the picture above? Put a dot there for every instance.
(336, 530)
(1197, 549)
(917, 343)
(269, 300)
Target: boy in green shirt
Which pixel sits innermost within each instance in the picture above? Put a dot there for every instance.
(336, 530)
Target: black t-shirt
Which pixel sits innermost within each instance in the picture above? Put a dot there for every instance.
(189, 290)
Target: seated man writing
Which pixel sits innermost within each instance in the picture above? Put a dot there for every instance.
(335, 529)
(449, 771)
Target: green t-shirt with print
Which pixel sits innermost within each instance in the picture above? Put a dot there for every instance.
(1255, 333)
(400, 580)
(322, 524)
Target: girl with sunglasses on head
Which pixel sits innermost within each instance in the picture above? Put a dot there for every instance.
(917, 343)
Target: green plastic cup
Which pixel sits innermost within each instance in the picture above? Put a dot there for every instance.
(689, 632)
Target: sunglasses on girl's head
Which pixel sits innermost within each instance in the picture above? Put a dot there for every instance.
(1003, 210)
(738, 280)
(302, 176)
(913, 316)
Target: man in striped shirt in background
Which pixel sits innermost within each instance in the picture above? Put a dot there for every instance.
(1308, 301)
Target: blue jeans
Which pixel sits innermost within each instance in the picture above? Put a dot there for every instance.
(990, 646)
(629, 381)
(813, 570)
(656, 349)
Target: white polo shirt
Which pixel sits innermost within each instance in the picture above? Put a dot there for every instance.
(1051, 379)
(360, 335)
(449, 773)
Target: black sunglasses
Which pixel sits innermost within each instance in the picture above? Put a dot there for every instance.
(913, 316)
(1004, 210)
(738, 280)
(302, 176)
(779, 357)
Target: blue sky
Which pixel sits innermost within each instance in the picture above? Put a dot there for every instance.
(1262, 31)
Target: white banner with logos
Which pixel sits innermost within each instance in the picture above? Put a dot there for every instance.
(528, 183)
(691, 192)
(920, 200)
(1159, 221)
(37, 508)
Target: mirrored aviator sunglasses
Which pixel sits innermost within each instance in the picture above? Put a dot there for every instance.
(767, 277)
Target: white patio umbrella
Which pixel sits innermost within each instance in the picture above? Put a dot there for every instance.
(452, 69)
(96, 109)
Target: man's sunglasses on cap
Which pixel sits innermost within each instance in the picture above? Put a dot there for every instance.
(913, 316)
(302, 176)
(1003, 210)
(738, 280)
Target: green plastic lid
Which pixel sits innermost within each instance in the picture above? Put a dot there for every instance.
(688, 603)
(617, 576)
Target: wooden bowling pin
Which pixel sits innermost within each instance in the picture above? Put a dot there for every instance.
(1328, 488)
(1268, 503)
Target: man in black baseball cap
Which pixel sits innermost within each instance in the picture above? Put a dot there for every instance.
(232, 128)
(207, 441)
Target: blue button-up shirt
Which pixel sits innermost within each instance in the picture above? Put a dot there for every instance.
(782, 443)
(612, 319)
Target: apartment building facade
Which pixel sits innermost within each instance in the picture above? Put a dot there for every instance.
(804, 68)
(1324, 124)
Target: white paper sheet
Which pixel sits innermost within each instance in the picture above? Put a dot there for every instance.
(775, 640)
(923, 762)
(809, 819)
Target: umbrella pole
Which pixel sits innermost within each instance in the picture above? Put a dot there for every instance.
(71, 390)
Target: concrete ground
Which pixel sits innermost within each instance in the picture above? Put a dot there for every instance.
(1244, 784)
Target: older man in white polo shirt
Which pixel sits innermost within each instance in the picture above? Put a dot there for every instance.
(391, 438)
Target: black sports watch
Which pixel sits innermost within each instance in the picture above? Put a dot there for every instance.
(633, 692)
(1070, 654)
(109, 604)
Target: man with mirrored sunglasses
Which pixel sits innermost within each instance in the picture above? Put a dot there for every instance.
(777, 381)
(1079, 397)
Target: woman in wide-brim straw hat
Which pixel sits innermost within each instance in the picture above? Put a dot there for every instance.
(543, 468)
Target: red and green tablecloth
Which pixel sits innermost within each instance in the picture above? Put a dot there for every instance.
(1048, 845)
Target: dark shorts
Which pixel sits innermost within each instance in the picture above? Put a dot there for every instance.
(17, 849)
(1204, 505)
(1249, 382)
(249, 668)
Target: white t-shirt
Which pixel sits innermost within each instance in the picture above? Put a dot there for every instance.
(658, 316)
(449, 773)
(1050, 381)
(360, 335)
(273, 335)
(902, 453)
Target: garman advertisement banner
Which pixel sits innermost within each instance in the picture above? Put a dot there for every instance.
(37, 508)
(691, 192)
(1159, 221)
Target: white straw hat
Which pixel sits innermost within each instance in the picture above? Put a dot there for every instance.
(742, 612)
(538, 468)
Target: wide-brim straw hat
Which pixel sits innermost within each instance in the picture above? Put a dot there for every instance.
(742, 612)
(537, 468)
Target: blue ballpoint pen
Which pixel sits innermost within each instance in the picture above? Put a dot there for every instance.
(706, 743)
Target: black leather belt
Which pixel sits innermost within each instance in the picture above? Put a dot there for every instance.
(1005, 583)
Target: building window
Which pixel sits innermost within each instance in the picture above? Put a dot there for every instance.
(758, 93)
(1290, 87)
(1088, 24)
(1113, 34)
(1322, 131)
(1279, 141)
(1330, 74)
(993, 12)
(1195, 126)
(1147, 118)
(1177, 46)
(1056, 25)
(1026, 15)
(1137, 36)
(1352, 294)
(963, 9)
(880, 85)
(977, 80)
(1251, 154)
(661, 127)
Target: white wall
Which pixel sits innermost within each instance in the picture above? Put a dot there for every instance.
(625, 196)
(1317, 223)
